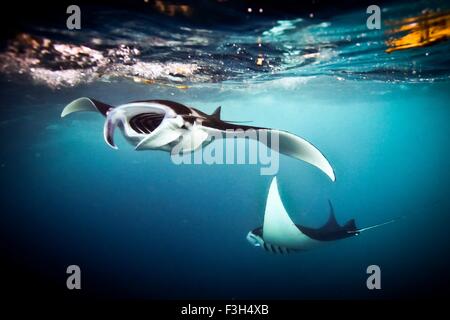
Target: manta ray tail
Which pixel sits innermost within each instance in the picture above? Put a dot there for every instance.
(374, 226)
(238, 121)
(86, 104)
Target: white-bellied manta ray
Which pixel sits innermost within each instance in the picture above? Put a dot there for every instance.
(279, 234)
(163, 124)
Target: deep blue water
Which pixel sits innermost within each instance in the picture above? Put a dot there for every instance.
(141, 227)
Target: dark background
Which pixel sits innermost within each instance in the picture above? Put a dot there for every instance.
(22, 278)
(19, 16)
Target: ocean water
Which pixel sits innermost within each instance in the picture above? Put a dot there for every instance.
(140, 226)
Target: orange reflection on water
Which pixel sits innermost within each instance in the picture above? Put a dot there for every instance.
(427, 29)
(172, 9)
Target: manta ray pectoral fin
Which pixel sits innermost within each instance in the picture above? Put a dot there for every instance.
(168, 131)
(298, 148)
(85, 104)
(278, 227)
(192, 140)
(280, 141)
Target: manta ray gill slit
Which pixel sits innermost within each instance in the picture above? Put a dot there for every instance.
(146, 122)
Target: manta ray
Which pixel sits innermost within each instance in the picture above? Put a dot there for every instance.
(163, 124)
(279, 234)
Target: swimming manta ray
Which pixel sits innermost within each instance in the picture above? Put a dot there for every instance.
(279, 234)
(163, 124)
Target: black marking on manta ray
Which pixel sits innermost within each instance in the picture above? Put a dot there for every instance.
(191, 119)
(258, 231)
(275, 249)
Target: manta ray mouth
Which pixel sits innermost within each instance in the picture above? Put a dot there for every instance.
(146, 122)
